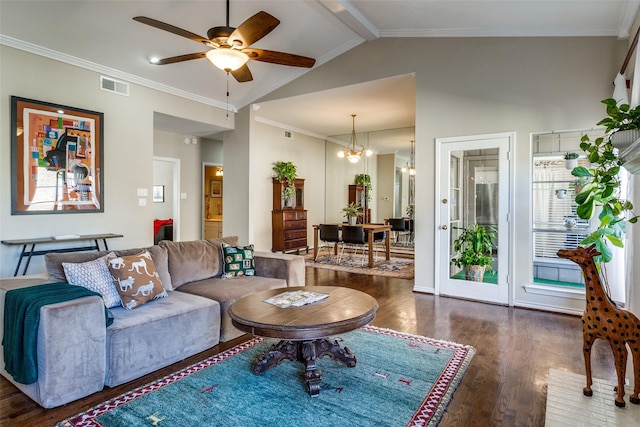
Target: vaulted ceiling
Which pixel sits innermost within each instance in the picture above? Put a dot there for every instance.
(102, 36)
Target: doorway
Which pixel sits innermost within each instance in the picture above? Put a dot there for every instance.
(166, 174)
(474, 189)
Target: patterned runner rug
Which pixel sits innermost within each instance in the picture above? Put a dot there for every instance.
(399, 380)
(396, 267)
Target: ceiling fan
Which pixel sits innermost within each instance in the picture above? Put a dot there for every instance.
(230, 49)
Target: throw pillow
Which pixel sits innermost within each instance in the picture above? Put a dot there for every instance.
(136, 279)
(93, 275)
(238, 261)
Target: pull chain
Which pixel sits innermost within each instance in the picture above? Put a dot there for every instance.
(227, 118)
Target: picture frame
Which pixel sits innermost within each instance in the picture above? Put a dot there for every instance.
(215, 188)
(57, 162)
(158, 194)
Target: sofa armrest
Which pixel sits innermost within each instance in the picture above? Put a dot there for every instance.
(71, 348)
(281, 266)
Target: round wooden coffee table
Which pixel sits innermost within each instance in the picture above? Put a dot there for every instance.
(303, 331)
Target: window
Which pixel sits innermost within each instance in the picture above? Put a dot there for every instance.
(555, 223)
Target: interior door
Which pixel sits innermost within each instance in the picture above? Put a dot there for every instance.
(474, 188)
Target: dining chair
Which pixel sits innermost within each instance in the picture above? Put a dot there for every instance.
(353, 236)
(329, 237)
(398, 227)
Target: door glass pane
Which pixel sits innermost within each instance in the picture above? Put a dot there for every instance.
(474, 215)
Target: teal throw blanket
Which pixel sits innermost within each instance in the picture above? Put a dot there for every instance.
(21, 320)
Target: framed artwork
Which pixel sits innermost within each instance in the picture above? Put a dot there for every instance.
(56, 158)
(215, 188)
(158, 194)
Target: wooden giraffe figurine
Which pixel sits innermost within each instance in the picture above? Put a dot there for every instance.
(603, 319)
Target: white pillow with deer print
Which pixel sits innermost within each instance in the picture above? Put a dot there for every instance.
(136, 279)
(95, 276)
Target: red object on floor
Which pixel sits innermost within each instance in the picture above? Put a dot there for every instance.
(157, 223)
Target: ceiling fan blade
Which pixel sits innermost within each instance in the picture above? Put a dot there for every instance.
(242, 74)
(253, 29)
(180, 58)
(279, 58)
(172, 29)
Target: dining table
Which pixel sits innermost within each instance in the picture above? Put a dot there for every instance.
(370, 229)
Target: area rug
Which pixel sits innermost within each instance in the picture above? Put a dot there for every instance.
(395, 267)
(399, 380)
(567, 406)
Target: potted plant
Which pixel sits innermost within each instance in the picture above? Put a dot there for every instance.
(561, 193)
(365, 180)
(474, 247)
(410, 210)
(571, 160)
(622, 123)
(285, 172)
(602, 187)
(352, 212)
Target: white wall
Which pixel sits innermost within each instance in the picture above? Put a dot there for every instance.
(476, 86)
(307, 153)
(169, 144)
(163, 175)
(128, 152)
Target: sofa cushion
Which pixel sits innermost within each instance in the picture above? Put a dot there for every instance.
(238, 261)
(158, 334)
(136, 279)
(226, 292)
(195, 260)
(93, 275)
(53, 262)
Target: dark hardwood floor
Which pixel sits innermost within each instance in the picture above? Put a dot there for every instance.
(505, 384)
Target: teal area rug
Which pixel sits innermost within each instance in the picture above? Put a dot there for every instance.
(399, 380)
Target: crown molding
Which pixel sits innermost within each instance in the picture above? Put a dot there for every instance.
(92, 66)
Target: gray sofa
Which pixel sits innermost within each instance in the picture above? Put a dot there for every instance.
(77, 355)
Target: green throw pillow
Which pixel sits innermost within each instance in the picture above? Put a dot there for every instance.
(238, 261)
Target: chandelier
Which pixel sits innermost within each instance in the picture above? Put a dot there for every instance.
(350, 151)
(411, 167)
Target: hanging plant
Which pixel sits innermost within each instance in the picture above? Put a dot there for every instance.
(285, 172)
(365, 180)
(603, 190)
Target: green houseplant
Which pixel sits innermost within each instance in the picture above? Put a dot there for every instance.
(601, 190)
(285, 172)
(474, 247)
(622, 123)
(352, 212)
(571, 160)
(365, 180)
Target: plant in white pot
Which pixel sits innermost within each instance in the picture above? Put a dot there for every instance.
(352, 212)
(474, 247)
(571, 160)
(622, 123)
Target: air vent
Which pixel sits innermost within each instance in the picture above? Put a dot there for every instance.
(288, 134)
(114, 86)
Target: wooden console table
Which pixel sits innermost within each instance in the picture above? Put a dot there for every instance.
(33, 242)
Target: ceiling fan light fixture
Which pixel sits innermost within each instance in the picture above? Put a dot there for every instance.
(227, 59)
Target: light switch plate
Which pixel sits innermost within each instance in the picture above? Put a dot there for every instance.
(183, 196)
(141, 192)
(142, 201)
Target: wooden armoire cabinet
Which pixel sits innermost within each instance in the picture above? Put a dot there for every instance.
(358, 195)
(289, 223)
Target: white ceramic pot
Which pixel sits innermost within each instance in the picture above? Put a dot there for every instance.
(353, 220)
(570, 163)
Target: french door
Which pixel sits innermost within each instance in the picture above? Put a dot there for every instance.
(473, 188)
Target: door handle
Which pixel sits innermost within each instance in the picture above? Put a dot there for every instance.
(445, 201)
(444, 227)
